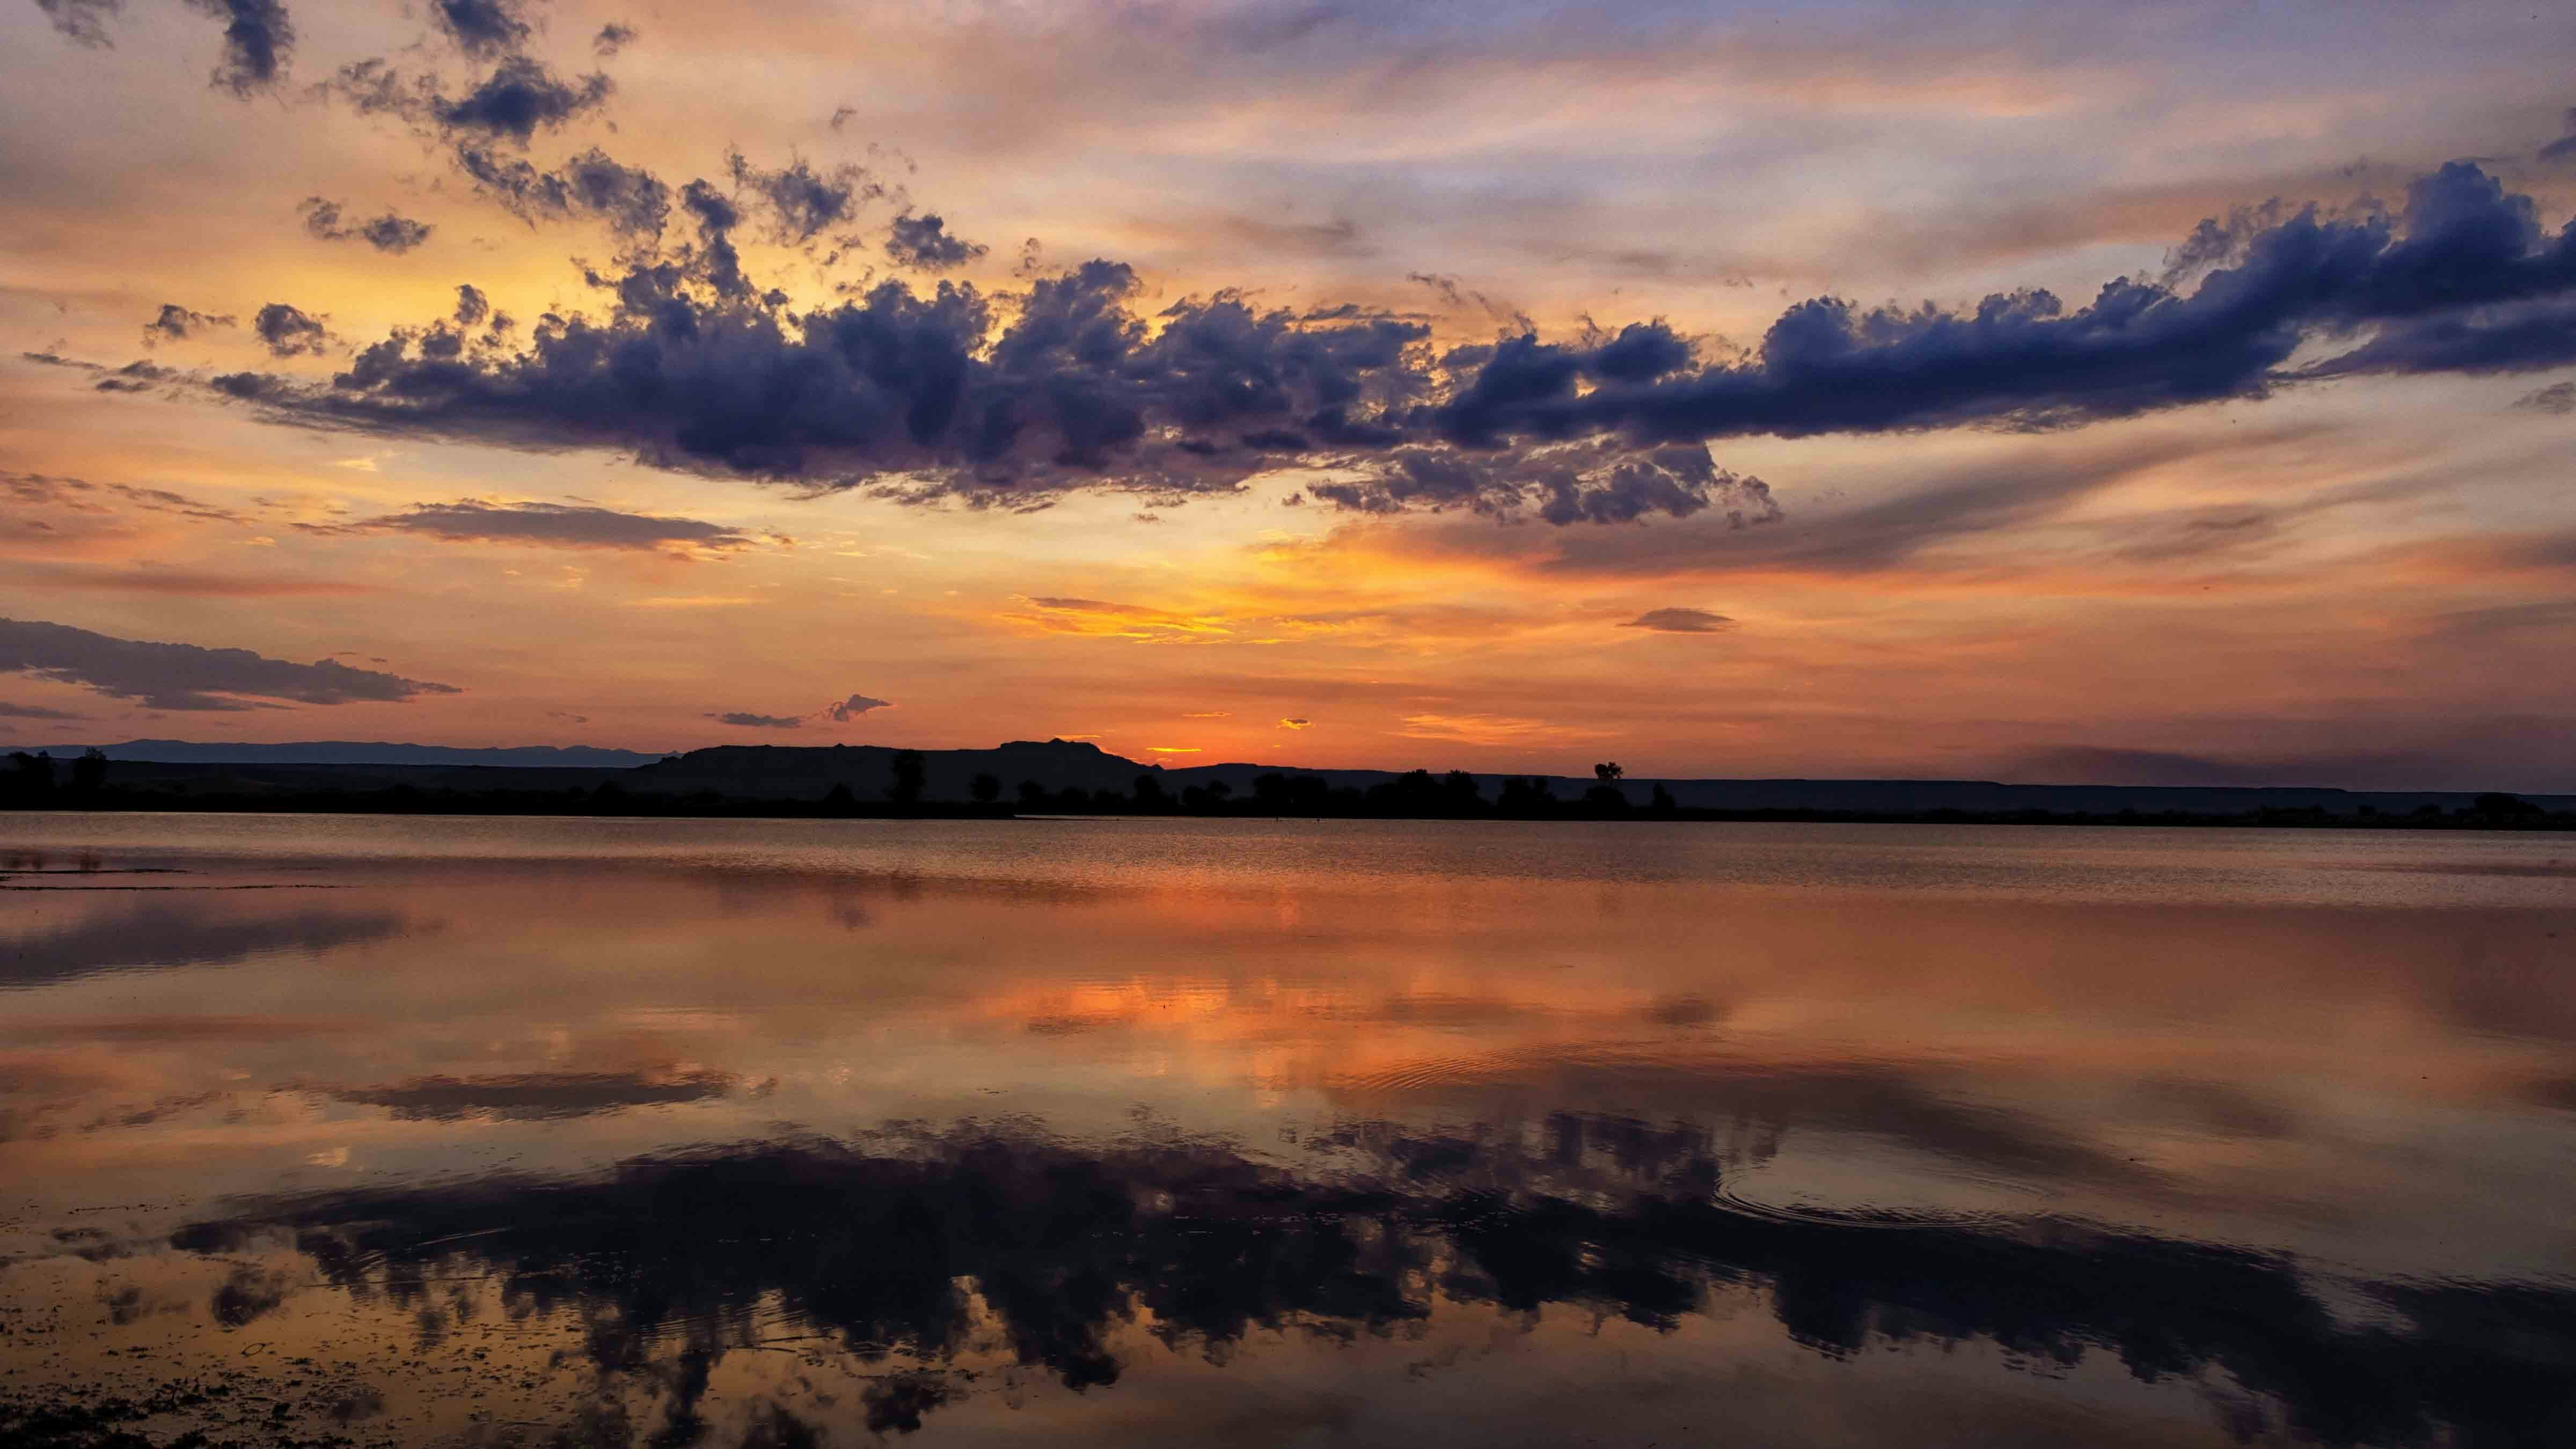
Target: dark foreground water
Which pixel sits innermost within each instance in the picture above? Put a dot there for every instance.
(582, 1132)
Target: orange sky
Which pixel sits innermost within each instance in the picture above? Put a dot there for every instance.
(2357, 581)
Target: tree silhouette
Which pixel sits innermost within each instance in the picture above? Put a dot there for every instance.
(1032, 794)
(909, 773)
(1149, 793)
(89, 772)
(1607, 771)
(986, 788)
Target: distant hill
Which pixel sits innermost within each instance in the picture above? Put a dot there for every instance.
(804, 773)
(358, 752)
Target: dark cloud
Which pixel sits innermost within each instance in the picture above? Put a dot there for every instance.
(386, 233)
(82, 22)
(2465, 266)
(536, 1096)
(520, 98)
(482, 28)
(34, 711)
(1296, 724)
(612, 38)
(761, 721)
(471, 305)
(844, 711)
(258, 38)
(190, 677)
(634, 202)
(1680, 621)
(1017, 400)
(923, 241)
(2562, 149)
(290, 331)
(553, 525)
(2558, 398)
(177, 324)
(800, 202)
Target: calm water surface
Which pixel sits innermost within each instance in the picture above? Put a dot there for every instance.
(416, 1132)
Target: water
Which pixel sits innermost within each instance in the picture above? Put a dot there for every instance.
(765, 1133)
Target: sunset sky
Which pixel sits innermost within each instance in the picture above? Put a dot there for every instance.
(2154, 393)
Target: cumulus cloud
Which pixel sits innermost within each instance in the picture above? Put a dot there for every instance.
(291, 331)
(551, 525)
(800, 202)
(633, 201)
(1296, 724)
(82, 22)
(612, 38)
(191, 677)
(258, 38)
(386, 233)
(1680, 621)
(924, 241)
(1017, 400)
(471, 305)
(520, 98)
(177, 324)
(482, 28)
(844, 711)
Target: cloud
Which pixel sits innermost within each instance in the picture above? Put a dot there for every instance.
(923, 241)
(800, 202)
(178, 324)
(1296, 724)
(471, 305)
(2562, 149)
(82, 22)
(387, 233)
(612, 38)
(520, 98)
(1104, 619)
(1680, 621)
(190, 677)
(2558, 398)
(1209, 714)
(633, 201)
(553, 525)
(844, 711)
(761, 721)
(290, 331)
(482, 28)
(148, 578)
(81, 495)
(1493, 729)
(258, 38)
(1017, 400)
(35, 711)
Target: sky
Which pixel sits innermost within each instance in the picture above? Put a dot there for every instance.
(2141, 393)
